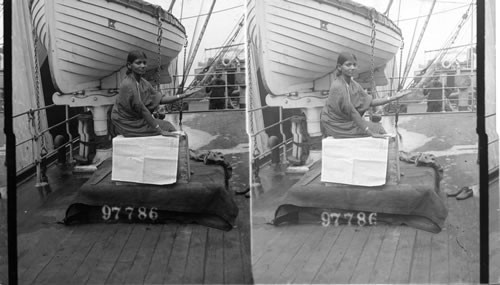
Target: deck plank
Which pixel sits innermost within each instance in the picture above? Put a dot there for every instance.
(233, 264)
(42, 254)
(113, 251)
(90, 262)
(127, 255)
(59, 257)
(274, 249)
(69, 265)
(273, 272)
(385, 259)
(363, 270)
(39, 242)
(214, 268)
(195, 264)
(263, 241)
(421, 267)
(177, 261)
(439, 257)
(156, 272)
(318, 255)
(245, 233)
(352, 255)
(304, 254)
(400, 272)
(471, 236)
(458, 264)
(143, 259)
(326, 273)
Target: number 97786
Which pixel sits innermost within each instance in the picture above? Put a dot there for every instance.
(351, 219)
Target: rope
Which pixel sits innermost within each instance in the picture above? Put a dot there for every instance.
(372, 41)
(255, 181)
(372, 67)
(158, 40)
(251, 94)
(43, 148)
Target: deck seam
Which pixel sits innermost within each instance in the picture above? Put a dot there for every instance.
(109, 239)
(360, 254)
(118, 257)
(329, 250)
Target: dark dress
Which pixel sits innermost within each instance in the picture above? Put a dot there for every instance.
(131, 113)
(341, 116)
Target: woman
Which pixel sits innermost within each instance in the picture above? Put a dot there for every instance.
(131, 114)
(347, 102)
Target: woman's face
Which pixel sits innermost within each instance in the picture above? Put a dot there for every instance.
(348, 68)
(138, 66)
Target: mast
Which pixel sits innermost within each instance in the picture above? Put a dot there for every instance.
(431, 67)
(197, 45)
(415, 49)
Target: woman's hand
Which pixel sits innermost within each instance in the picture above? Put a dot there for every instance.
(168, 134)
(401, 94)
(380, 136)
(375, 134)
(185, 95)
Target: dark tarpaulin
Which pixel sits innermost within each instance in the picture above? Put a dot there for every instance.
(204, 200)
(416, 201)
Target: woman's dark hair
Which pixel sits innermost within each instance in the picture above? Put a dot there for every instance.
(343, 57)
(132, 56)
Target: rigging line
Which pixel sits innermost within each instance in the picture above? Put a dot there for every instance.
(419, 40)
(438, 12)
(411, 48)
(388, 7)
(214, 12)
(401, 52)
(232, 36)
(451, 39)
(227, 42)
(195, 31)
(448, 48)
(171, 6)
(197, 45)
(430, 66)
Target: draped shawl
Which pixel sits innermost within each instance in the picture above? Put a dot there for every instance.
(341, 116)
(131, 114)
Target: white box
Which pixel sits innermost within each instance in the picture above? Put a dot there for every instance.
(149, 160)
(355, 161)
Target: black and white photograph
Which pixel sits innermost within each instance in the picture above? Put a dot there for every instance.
(365, 165)
(131, 144)
(249, 142)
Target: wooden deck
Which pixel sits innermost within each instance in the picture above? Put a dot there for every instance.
(51, 253)
(308, 253)
(376, 254)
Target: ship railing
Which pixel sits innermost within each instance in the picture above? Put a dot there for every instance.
(41, 154)
(450, 101)
(200, 102)
(453, 93)
(281, 147)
